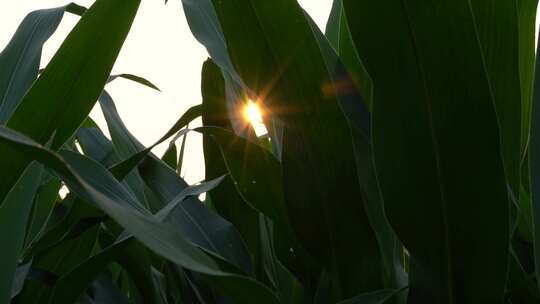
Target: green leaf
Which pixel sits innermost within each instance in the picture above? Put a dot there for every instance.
(323, 289)
(522, 287)
(283, 66)
(255, 181)
(191, 191)
(135, 78)
(97, 146)
(125, 144)
(335, 25)
(14, 214)
(339, 35)
(188, 214)
(355, 109)
(497, 27)
(105, 291)
(182, 152)
(136, 156)
(61, 98)
(288, 288)
(436, 146)
(205, 26)
(20, 276)
(20, 59)
(160, 238)
(79, 217)
(66, 256)
(255, 172)
(377, 297)
(120, 193)
(523, 207)
(136, 261)
(534, 163)
(71, 285)
(45, 200)
(57, 261)
(225, 198)
(526, 10)
(170, 156)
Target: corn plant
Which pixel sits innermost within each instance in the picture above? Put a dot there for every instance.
(400, 165)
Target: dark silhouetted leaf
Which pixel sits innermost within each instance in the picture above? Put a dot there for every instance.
(61, 98)
(436, 145)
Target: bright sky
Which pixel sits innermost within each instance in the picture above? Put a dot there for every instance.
(161, 48)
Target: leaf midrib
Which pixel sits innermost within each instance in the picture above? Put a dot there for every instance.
(19, 59)
(435, 146)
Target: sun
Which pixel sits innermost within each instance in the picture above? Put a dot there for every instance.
(252, 112)
(253, 115)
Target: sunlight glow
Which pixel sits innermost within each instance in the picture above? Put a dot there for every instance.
(253, 115)
(252, 112)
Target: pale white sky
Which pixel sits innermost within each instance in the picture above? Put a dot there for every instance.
(161, 48)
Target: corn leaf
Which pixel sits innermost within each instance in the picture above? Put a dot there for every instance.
(534, 163)
(377, 297)
(45, 200)
(526, 10)
(21, 57)
(160, 238)
(497, 28)
(436, 146)
(198, 224)
(14, 214)
(170, 157)
(225, 197)
(339, 35)
(61, 98)
(283, 66)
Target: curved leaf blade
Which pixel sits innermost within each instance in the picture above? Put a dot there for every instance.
(436, 145)
(21, 57)
(61, 98)
(159, 237)
(14, 214)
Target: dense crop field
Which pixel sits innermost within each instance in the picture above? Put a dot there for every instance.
(401, 162)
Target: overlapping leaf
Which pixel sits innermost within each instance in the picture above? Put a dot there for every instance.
(282, 64)
(436, 145)
(61, 98)
(159, 237)
(14, 214)
(21, 57)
